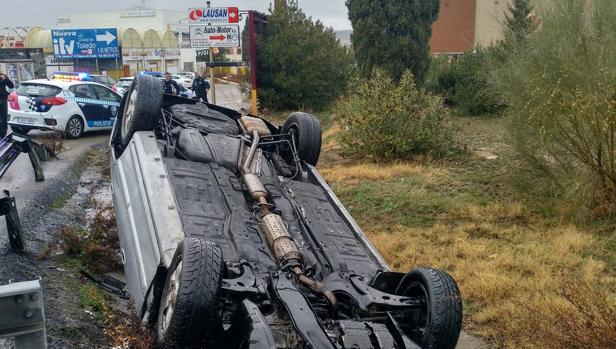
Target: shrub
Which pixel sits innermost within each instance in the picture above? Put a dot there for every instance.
(302, 65)
(385, 120)
(560, 87)
(579, 316)
(466, 82)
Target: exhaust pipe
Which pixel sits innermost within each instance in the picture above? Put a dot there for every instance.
(281, 243)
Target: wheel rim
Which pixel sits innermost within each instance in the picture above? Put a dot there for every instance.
(419, 319)
(74, 127)
(127, 118)
(170, 297)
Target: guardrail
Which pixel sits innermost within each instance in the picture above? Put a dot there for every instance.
(22, 314)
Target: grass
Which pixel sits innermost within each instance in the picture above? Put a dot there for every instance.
(522, 263)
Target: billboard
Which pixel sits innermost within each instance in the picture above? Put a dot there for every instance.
(206, 36)
(85, 43)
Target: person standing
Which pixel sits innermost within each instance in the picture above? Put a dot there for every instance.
(200, 86)
(5, 86)
(170, 86)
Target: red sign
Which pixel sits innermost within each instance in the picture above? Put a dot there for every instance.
(214, 15)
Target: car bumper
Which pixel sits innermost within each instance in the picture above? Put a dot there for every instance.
(36, 120)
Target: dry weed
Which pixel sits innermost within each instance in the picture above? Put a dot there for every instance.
(54, 143)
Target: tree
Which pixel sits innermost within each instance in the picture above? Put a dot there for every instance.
(301, 63)
(393, 35)
(518, 21)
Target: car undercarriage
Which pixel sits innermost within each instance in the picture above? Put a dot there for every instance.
(231, 238)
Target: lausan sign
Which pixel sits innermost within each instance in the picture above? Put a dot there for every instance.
(214, 15)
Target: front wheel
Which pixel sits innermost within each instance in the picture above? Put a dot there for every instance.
(188, 311)
(437, 324)
(74, 127)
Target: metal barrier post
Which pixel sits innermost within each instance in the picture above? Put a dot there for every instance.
(22, 314)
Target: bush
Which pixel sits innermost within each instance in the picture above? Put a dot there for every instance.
(385, 120)
(302, 65)
(560, 87)
(467, 82)
(579, 316)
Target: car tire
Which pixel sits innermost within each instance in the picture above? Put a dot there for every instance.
(142, 107)
(74, 127)
(194, 279)
(306, 130)
(439, 322)
(20, 130)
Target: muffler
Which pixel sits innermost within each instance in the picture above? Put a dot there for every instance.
(274, 228)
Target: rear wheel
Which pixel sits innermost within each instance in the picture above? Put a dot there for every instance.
(438, 323)
(142, 107)
(20, 129)
(74, 127)
(306, 131)
(189, 305)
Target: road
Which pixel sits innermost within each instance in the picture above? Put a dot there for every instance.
(44, 208)
(228, 95)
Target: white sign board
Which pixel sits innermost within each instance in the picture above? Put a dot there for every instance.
(138, 13)
(214, 15)
(206, 36)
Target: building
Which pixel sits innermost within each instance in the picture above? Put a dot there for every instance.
(464, 24)
(149, 39)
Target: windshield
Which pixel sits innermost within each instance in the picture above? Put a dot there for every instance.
(37, 90)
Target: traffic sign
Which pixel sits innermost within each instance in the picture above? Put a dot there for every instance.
(206, 36)
(214, 15)
(85, 43)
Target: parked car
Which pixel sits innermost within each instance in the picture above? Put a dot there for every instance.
(68, 103)
(188, 75)
(103, 80)
(123, 84)
(231, 238)
(181, 80)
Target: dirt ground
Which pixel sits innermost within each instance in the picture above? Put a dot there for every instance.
(63, 199)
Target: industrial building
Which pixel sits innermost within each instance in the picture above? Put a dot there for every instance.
(464, 24)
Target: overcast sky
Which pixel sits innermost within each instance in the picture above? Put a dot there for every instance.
(44, 12)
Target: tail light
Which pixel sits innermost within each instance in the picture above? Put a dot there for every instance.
(54, 101)
(13, 101)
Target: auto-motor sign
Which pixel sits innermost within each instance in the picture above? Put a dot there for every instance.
(206, 36)
(85, 43)
(214, 15)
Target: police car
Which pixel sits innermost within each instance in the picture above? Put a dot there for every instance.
(68, 102)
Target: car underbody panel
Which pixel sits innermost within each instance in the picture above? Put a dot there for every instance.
(298, 272)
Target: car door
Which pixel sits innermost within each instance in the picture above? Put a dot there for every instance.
(109, 103)
(87, 101)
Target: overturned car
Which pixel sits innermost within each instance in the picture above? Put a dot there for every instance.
(231, 239)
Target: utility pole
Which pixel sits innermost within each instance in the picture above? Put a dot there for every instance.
(252, 50)
(212, 78)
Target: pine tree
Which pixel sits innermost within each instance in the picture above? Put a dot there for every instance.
(302, 65)
(392, 34)
(518, 21)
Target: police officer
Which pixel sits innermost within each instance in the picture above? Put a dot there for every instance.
(5, 85)
(170, 86)
(200, 86)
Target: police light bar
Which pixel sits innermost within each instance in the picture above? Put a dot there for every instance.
(153, 73)
(71, 76)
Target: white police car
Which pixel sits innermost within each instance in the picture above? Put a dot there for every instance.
(67, 103)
